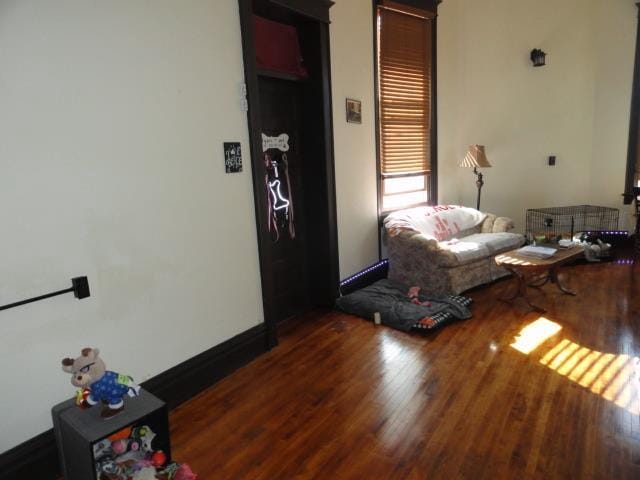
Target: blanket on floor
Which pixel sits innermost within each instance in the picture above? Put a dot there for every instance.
(397, 310)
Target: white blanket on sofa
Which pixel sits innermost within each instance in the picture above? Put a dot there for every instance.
(441, 222)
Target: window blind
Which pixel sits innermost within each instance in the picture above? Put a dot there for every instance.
(404, 69)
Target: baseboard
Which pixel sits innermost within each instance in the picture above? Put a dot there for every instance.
(37, 458)
(184, 381)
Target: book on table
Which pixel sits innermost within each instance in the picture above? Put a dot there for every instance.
(536, 252)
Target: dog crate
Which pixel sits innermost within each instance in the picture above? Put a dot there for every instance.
(550, 224)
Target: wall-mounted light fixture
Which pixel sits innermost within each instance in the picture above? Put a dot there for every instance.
(537, 57)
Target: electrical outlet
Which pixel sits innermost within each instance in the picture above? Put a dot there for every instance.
(552, 160)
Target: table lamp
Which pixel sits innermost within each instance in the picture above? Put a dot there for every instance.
(476, 158)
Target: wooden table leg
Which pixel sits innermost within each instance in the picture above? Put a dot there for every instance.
(521, 289)
(553, 274)
(540, 283)
(516, 291)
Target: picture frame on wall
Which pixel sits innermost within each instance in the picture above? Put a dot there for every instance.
(232, 157)
(354, 110)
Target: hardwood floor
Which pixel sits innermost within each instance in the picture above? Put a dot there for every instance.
(340, 398)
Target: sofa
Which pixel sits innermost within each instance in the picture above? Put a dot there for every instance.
(447, 249)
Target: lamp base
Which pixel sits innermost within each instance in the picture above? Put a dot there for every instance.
(479, 184)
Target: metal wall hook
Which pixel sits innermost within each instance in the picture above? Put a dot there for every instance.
(79, 287)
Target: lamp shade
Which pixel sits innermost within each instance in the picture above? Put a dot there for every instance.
(475, 157)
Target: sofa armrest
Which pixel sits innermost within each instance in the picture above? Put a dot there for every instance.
(417, 247)
(503, 224)
(487, 223)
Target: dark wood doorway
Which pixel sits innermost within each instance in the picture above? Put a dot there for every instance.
(280, 113)
(298, 272)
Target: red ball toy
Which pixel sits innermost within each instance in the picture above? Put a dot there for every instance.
(158, 459)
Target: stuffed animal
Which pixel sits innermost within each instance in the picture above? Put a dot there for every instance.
(158, 459)
(596, 251)
(108, 469)
(101, 449)
(89, 371)
(184, 472)
(148, 473)
(175, 471)
(144, 435)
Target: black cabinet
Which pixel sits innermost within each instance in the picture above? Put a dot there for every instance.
(81, 433)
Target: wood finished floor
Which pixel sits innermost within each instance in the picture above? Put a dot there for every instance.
(342, 399)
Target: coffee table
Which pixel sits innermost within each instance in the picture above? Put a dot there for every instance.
(535, 272)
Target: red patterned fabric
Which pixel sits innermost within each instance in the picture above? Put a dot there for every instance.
(277, 47)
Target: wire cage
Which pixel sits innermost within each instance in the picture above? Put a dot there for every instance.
(549, 224)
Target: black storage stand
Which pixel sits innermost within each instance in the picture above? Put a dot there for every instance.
(77, 431)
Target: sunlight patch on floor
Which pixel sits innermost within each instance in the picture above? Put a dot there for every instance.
(612, 376)
(534, 334)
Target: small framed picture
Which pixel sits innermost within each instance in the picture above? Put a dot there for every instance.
(354, 111)
(232, 157)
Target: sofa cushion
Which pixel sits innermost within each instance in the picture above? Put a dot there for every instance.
(495, 242)
(464, 251)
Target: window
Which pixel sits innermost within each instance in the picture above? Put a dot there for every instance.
(406, 134)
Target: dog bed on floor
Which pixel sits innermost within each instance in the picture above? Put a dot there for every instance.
(404, 308)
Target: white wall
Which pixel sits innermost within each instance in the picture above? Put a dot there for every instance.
(111, 128)
(355, 148)
(522, 114)
(576, 107)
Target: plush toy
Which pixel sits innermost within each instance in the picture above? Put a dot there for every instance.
(81, 397)
(101, 449)
(184, 472)
(175, 471)
(148, 473)
(120, 434)
(144, 435)
(120, 447)
(89, 371)
(414, 297)
(158, 458)
(596, 251)
(108, 469)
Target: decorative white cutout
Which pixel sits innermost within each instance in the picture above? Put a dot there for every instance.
(279, 202)
(281, 142)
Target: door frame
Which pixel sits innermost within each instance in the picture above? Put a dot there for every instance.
(313, 10)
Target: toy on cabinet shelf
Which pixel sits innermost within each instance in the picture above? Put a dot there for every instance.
(130, 454)
(89, 372)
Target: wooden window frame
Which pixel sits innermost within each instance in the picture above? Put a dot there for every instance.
(404, 175)
(425, 9)
(633, 148)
